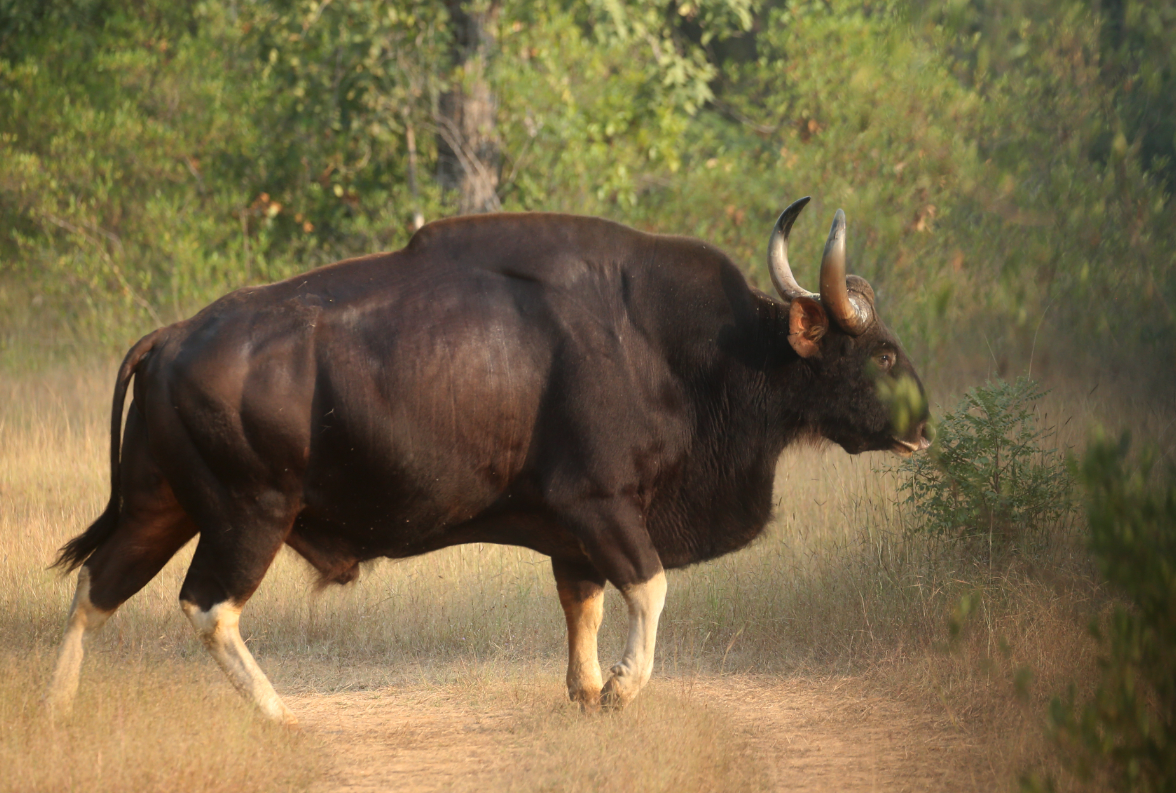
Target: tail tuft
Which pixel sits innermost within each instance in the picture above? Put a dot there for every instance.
(78, 550)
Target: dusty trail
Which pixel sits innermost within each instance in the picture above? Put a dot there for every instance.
(823, 736)
(402, 742)
(809, 735)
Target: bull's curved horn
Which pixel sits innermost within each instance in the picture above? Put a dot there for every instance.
(852, 311)
(778, 266)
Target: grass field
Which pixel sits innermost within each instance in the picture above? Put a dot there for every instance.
(833, 588)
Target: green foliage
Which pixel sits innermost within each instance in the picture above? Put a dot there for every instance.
(1131, 59)
(840, 101)
(596, 100)
(1073, 212)
(990, 483)
(343, 83)
(997, 159)
(119, 144)
(1125, 732)
(1140, 66)
(979, 202)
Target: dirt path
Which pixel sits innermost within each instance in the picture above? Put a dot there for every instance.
(808, 736)
(825, 736)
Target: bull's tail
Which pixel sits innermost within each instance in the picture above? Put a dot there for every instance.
(77, 550)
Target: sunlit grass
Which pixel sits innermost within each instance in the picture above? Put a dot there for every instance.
(834, 586)
(142, 724)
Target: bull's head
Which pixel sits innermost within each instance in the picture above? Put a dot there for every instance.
(874, 399)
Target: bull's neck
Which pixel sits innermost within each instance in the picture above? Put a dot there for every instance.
(782, 393)
(754, 408)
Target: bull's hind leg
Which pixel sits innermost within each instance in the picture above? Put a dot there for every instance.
(581, 593)
(125, 564)
(150, 528)
(84, 618)
(226, 570)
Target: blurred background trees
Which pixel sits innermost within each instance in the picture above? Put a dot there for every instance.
(1006, 165)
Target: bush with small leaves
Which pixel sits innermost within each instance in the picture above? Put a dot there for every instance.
(1124, 734)
(992, 483)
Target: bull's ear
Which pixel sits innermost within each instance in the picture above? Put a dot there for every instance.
(807, 323)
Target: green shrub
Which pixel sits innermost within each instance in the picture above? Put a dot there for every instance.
(991, 483)
(1125, 732)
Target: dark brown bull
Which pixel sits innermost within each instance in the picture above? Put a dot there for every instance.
(613, 399)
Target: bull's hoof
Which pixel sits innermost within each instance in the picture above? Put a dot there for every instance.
(590, 706)
(285, 721)
(589, 701)
(614, 697)
(276, 712)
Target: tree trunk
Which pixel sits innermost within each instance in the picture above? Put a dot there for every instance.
(468, 156)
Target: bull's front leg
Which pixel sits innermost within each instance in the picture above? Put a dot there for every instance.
(645, 601)
(581, 593)
(612, 533)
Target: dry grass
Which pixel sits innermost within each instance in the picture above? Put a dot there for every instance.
(143, 725)
(832, 588)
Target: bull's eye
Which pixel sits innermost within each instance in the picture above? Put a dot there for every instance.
(884, 360)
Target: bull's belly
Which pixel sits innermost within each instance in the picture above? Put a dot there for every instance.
(336, 538)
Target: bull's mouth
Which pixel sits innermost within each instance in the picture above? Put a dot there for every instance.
(906, 448)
